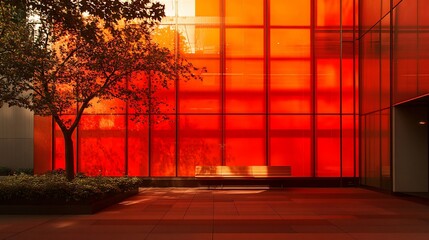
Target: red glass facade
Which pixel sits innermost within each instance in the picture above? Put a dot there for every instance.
(280, 90)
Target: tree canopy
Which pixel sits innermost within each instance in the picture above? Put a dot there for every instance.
(63, 56)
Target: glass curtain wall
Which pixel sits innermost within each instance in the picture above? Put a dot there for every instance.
(280, 90)
(394, 69)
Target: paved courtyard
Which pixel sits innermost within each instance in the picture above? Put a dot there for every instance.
(186, 213)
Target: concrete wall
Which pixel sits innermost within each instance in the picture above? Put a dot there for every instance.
(16, 137)
(410, 159)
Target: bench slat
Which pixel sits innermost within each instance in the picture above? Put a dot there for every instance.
(242, 171)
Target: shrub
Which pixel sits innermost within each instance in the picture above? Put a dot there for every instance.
(5, 171)
(54, 188)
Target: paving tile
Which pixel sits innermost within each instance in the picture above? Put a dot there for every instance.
(181, 213)
(281, 236)
(180, 236)
(390, 236)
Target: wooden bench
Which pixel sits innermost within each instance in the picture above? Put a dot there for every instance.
(213, 172)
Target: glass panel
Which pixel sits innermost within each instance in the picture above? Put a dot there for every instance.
(406, 51)
(207, 7)
(244, 12)
(348, 146)
(423, 47)
(163, 147)
(347, 86)
(293, 43)
(243, 133)
(202, 96)
(328, 13)
(163, 99)
(385, 62)
(290, 13)
(138, 147)
(244, 86)
(290, 143)
(290, 87)
(347, 14)
(102, 145)
(238, 44)
(207, 42)
(386, 178)
(328, 146)
(200, 139)
(328, 86)
(372, 170)
(371, 13)
(370, 83)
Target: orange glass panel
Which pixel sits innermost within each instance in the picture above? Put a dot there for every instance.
(244, 12)
(138, 147)
(202, 96)
(163, 148)
(328, 146)
(42, 144)
(290, 143)
(290, 13)
(347, 146)
(207, 7)
(290, 87)
(199, 142)
(244, 86)
(207, 41)
(245, 140)
(294, 43)
(238, 44)
(102, 145)
(328, 86)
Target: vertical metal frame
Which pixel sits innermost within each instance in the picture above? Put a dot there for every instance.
(267, 55)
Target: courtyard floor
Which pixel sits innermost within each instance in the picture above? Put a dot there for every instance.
(189, 213)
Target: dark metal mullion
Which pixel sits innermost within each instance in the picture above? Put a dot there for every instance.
(313, 83)
(391, 143)
(53, 148)
(362, 157)
(149, 132)
(267, 81)
(341, 92)
(380, 95)
(176, 111)
(222, 78)
(354, 89)
(126, 132)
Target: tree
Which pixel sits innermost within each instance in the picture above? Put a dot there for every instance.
(87, 51)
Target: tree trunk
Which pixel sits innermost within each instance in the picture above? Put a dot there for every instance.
(68, 142)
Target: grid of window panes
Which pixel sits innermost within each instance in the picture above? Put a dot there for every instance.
(280, 90)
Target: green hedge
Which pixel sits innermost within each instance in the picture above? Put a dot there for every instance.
(54, 188)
